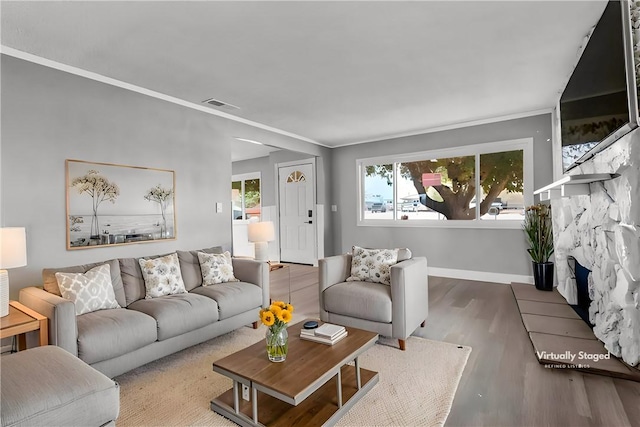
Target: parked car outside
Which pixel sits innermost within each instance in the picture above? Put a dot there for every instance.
(410, 207)
(378, 207)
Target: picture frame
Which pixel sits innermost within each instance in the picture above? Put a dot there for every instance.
(109, 204)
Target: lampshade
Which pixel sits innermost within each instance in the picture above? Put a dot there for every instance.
(13, 247)
(261, 231)
(13, 253)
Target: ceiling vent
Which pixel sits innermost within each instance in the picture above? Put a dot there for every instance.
(219, 104)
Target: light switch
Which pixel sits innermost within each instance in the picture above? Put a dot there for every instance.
(218, 207)
(334, 208)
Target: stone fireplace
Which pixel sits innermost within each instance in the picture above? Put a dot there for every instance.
(601, 230)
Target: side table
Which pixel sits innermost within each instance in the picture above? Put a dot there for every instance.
(21, 320)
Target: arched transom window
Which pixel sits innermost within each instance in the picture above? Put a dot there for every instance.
(296, 176)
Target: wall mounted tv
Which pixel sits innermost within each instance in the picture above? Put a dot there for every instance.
(599, 105)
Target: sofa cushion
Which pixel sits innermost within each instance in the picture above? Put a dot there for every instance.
(179, 313)
(372, 265)
(90, 291)
(216, 268)
(190, 266)
(106, 334)
(50, 283)
(233, 297)
(364, 300)
(162, 276)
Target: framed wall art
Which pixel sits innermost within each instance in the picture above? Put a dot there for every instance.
(109, 204)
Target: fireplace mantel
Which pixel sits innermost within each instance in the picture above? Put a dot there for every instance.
(571, 185)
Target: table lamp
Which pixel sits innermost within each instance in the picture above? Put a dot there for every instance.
(260, 233)
(13, 253)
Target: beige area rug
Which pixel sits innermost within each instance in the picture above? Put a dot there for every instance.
(416, 386)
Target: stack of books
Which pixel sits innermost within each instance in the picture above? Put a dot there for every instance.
(327, 333)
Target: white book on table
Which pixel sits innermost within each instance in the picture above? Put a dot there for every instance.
(324, 340)
(329, 330)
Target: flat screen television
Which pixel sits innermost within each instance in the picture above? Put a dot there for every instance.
(599, 105)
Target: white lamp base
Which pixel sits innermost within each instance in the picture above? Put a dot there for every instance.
(262, 251)
(4, 293)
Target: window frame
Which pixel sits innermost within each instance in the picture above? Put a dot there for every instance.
(242, 178)
(524, 144)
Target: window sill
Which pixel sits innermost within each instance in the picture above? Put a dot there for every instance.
(477, 224)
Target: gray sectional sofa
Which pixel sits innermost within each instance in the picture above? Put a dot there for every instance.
(117, 340)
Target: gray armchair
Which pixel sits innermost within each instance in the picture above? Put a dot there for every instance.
(393, 311)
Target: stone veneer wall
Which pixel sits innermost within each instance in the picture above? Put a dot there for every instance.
(602, 232)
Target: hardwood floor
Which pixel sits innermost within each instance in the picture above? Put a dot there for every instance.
(503, 384)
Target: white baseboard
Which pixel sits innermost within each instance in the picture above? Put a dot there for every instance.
(482, 276)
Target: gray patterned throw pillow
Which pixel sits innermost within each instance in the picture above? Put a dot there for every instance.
(216, 268)
(162, 276)
(372, 265)
(90, 291)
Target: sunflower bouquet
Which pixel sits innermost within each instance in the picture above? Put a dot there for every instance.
(276, 318)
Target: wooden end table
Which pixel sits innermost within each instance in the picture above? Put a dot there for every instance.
(21, 320)
(316, 385)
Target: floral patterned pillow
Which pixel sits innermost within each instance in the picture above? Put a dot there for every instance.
(216, 268)
(162, 276)
(372, 265)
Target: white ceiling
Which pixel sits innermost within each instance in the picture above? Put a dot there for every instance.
(333, 72)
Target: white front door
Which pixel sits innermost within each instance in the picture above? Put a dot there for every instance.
(297, 214)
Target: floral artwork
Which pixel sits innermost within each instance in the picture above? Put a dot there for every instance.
(162, 196)
(127, 216)
(100, 189)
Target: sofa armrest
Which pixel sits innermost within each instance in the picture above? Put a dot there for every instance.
(255, 272)
(63, 329)
(409, 296)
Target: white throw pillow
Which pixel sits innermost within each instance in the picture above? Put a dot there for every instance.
(90, 291)
(216, 268)
(162, 276)
(372, 265)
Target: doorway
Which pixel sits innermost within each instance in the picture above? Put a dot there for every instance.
(296, 202)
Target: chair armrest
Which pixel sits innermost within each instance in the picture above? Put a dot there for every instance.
(63, 329)
(409, 296)
(331, 270)
(334, 269)
(255, 272)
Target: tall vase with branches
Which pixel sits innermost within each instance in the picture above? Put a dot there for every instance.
(100, 189)
(162, 196)
(539, 234)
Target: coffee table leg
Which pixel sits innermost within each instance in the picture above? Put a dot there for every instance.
(358, 380)
(340, 389)
(254, 404)
(236, 401)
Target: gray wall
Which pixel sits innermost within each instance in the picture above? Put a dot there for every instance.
(49, 116)
(486, 250)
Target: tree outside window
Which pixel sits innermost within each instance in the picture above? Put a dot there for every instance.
(246, 199)
(447, 188)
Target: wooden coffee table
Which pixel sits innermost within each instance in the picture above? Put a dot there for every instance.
(314, 386)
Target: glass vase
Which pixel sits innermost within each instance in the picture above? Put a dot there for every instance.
(277, 344)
